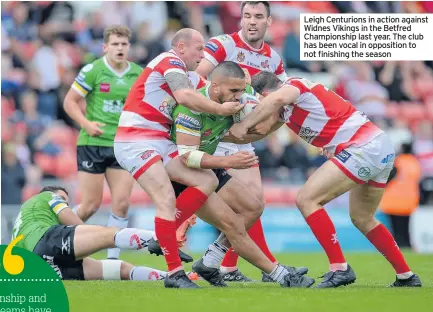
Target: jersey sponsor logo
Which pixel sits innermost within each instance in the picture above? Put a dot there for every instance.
(240, 57)
(307, 134)
(387, 159)
(147, 154)
(176, 62)
(343, 156)
(104, 87)
(252, 64)
(212, 46)
(112, 106)
(265, 64)
(188, 122)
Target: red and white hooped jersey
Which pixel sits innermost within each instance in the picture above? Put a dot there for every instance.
(324, 119)
(233, 48)
(147, 111)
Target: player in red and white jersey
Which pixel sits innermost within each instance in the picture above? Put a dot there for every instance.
(364, 158)
(248, 49)
(142, 144)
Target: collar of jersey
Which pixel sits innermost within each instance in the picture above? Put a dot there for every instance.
(120, 75)
(244, 42)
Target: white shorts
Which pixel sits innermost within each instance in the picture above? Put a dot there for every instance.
(227, 149)
(370, 163)
(137, 157)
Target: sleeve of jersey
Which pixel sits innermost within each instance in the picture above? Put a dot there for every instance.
(216, 50)
(171, 65)
(188, 123)
(281, 72)
(84, 81)
(297, 84)
(57, 204)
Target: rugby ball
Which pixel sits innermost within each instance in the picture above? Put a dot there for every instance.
(250, 102)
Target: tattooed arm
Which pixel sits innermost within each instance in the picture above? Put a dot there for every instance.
(185, 95)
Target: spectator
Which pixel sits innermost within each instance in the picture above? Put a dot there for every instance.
(13, 176)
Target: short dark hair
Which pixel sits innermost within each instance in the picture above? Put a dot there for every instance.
(228, 69)
(264, 81)
(265, 3)
(54, 188)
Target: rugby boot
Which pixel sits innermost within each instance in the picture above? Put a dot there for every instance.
(413, 281)
(338, 278)
(179, 280)
(155, 248)
(211, 275)
(300, 271)
(183, 229)
(236, 276)
(295, 280)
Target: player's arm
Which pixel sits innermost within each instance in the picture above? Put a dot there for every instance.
(64, 213)
(184, 94)
(268, 106)
(80, 88)
(253, 137)
(205, 68)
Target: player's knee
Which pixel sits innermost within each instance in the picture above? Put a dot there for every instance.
(302, 199)
(362, 221)
(209, 184)
(120, 206)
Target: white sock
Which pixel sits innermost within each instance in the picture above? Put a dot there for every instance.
(405, 275)
(140, 273)
(226, 270)
(131, 238)
(214, 255)
(278, 273)
(114, 220)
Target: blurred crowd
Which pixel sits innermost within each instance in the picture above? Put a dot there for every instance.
(45, 43)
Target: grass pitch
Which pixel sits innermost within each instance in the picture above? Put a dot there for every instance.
(369, 293)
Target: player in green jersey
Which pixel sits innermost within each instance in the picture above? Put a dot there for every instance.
(202, 132)
(104, 84)
(51, 230)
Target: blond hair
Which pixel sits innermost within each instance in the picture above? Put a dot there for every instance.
(119, 30)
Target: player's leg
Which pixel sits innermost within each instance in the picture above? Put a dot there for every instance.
(119, 270)
(326, 183)
(251, 178)
(89, 239)
(364, 200)
(219, 214)
(143, 161)
(91, 180)
(120, 183)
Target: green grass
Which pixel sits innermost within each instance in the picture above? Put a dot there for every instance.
(369, 293)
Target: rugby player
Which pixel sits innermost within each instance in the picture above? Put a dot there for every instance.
(51, 230)
(200, 133)
(142, 145)
(361, 159)
(248, 49)
(104, 84)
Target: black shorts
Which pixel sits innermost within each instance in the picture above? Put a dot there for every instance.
(56, 247)
(96, 159)
(222, 175)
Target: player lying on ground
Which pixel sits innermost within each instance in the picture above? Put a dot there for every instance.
(363, 160)
(142, 145)
(104, 84)
(52, 231)
(197, 136)
(248, 48)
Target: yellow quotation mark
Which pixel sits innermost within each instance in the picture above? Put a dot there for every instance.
(13, 264)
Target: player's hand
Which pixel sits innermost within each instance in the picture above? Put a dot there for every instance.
(262, 128)
(229, 108)
(242, 160)
(93, 128)
(326, 153)
(247, 76)
(238, 130)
